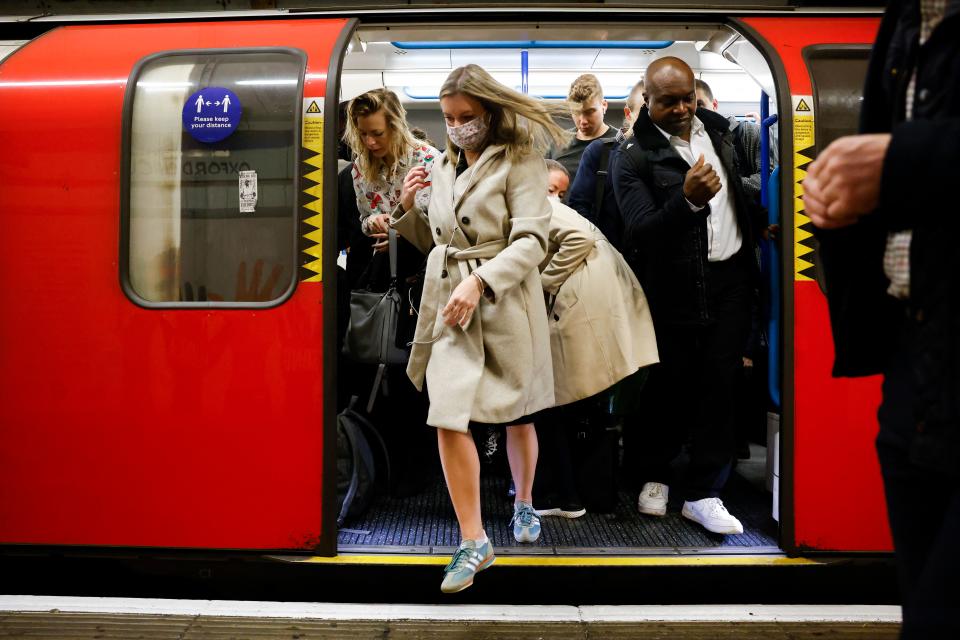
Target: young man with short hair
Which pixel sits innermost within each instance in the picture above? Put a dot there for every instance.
(591, 192)
(587, 109)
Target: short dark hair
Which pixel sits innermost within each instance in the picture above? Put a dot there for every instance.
(704, 87)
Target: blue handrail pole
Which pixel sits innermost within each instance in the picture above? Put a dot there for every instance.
(766, 121)
(770, 182)
(524, 72)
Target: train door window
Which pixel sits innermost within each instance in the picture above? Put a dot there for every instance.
(837, 73)
(210, 184)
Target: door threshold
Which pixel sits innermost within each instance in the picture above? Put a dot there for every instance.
(561, 557)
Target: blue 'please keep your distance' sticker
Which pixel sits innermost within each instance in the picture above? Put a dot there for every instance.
(211, 114)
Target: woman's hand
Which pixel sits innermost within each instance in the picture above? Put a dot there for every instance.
(380, 224)
(463, 301)
(416, 179)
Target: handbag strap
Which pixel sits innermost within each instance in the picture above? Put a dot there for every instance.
(392, 238)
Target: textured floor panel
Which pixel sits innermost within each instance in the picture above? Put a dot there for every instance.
(427, 520)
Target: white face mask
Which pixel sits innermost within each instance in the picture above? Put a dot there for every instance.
(469, 136)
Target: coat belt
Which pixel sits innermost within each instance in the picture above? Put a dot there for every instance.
(465, 260)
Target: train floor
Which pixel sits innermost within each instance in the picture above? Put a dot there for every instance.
(425, 522)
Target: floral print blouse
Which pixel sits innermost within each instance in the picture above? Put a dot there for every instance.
(383, 195)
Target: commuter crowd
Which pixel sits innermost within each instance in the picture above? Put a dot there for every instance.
(566, 270)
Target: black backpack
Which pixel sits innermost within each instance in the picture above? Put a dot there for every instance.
(357, 463)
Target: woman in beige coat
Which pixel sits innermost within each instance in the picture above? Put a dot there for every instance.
(482, 342)
(600, 325)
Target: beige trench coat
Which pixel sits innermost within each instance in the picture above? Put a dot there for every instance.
(493, 220)
(600, 325)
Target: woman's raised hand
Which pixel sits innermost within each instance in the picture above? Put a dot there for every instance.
(416, 179)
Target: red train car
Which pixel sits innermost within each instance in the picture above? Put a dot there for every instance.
(172, 384)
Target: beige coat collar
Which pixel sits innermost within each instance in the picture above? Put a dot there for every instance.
(464, 184)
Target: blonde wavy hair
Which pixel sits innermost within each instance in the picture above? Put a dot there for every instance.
(401, 141)
(521, 123)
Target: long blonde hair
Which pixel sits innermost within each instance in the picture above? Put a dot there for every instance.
(401, 140)
(535, 133)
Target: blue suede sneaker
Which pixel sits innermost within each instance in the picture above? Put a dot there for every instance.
(526, 523)
(467, 561)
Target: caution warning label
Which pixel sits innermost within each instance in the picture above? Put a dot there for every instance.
(804, 152)
(311, 244)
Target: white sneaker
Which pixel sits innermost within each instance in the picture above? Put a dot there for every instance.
(653, 499)
(712, 516)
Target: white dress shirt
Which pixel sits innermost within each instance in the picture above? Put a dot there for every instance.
(723, 232)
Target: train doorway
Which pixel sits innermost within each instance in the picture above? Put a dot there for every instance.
(410, 512)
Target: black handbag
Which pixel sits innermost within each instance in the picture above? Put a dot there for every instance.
(372, 333)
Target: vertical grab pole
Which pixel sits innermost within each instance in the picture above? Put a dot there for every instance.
(766, 121)
(770, 182)
(524, 71)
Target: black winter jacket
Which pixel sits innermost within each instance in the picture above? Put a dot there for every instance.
(669, 238)
(918, 192)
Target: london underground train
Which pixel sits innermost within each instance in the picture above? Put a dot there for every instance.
(168, 336)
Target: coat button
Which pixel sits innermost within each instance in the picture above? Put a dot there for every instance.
(918, 316)
(465, 220)
(438, 230)
(923, 95)
(556, 317)
(443, 274)
(921, 426)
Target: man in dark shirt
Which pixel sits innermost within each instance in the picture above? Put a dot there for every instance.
(888, 218)
(587, 108)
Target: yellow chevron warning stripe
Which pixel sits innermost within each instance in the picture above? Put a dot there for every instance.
(312, 142)
(803, 154)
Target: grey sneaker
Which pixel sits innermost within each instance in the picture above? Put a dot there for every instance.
(526, 523)
(466, 562)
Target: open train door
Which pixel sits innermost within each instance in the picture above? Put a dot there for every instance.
(165, 385)
(831, 494)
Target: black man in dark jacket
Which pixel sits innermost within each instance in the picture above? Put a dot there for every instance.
(686, 217)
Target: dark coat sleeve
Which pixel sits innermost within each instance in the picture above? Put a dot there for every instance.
(583, 190)
(643, 216)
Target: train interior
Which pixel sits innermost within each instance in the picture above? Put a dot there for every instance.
(411, 512)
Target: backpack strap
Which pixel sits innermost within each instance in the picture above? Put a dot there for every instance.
(600, 184)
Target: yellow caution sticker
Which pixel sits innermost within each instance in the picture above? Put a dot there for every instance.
(312, 142)
(804, 151)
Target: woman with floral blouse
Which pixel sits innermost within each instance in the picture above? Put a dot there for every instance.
(385, 151)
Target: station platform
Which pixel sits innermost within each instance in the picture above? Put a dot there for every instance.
(72, 618)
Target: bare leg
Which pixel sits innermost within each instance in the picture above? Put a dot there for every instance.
(522, 451)
(461, 468)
